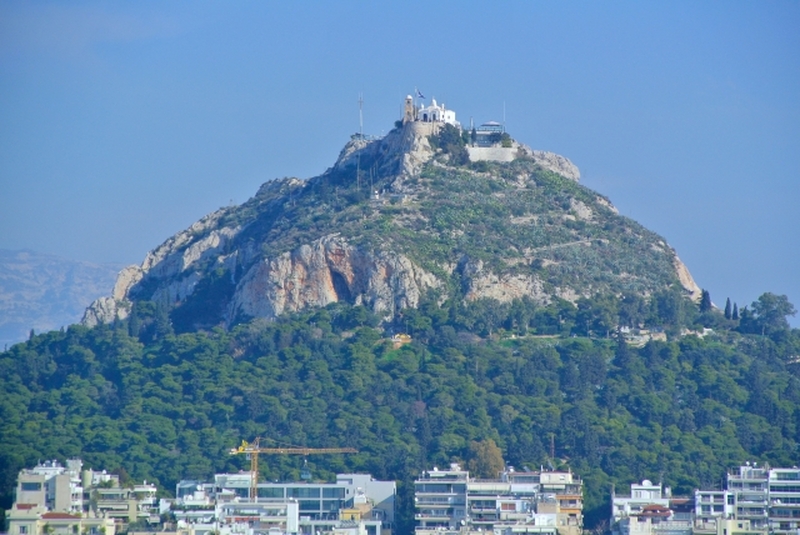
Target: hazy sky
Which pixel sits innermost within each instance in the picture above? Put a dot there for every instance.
(123, 123)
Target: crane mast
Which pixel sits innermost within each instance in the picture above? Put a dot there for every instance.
(254, 448)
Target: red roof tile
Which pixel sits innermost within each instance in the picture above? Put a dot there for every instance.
(60, 516)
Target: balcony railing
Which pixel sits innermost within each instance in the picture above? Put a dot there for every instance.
(432, 500)
(429, 516)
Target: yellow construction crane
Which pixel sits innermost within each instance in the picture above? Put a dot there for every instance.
(254, 448)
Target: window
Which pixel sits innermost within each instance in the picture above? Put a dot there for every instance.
(784, 488)
(303, 492)
(434, 487)
(332, 505)
(29, 486)
(309, 505)
(271, 492)
(23, 530)
(337, 492)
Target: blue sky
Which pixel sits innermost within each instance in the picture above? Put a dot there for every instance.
(123, 123)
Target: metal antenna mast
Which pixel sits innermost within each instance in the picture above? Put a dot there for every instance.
(360, 116)
(360, 137)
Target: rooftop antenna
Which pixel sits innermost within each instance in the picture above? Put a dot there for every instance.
(360, 137)
(360, 116)
(504, 115)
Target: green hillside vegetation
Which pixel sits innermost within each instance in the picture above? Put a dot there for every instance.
(137, 398)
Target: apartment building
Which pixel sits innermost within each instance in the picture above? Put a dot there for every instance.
(650, 509)
(52, 486)
(641, 495)
(51, 497)
(756, 500)
(516, 502)
(125, 504)
(709, 507)
(291, 507)
(440, 499)
(36, 520)
(769, 498)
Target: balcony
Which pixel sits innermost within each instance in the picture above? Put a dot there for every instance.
(483, 509)
(709, 500)
(432, 516)
(440, 501)
(752, 499)
(777, 502)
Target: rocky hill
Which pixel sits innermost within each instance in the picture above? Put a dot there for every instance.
(444, 238)
(45, 292)
(413, 213)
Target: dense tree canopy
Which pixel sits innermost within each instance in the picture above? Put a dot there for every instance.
(479, 384)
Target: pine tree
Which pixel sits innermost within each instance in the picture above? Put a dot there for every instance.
(728, 309)
(735, 315)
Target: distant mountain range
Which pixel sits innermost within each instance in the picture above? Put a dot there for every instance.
(45, 292)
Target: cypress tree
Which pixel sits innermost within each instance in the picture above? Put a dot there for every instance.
(735, 312)
(728, 309)
(705, 301)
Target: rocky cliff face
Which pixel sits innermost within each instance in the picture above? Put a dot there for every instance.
(327, 271)
(392, 220)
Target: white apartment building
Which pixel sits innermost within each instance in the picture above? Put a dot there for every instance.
(758, 499)
(749, 487)
(711, 505)
(642, 494)
(290, 507)
(784, 500)
(440, 499)
(769, 498)
(647, 511)
(516, 502)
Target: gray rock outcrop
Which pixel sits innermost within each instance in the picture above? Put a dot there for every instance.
(556, 163)
(328, 271)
